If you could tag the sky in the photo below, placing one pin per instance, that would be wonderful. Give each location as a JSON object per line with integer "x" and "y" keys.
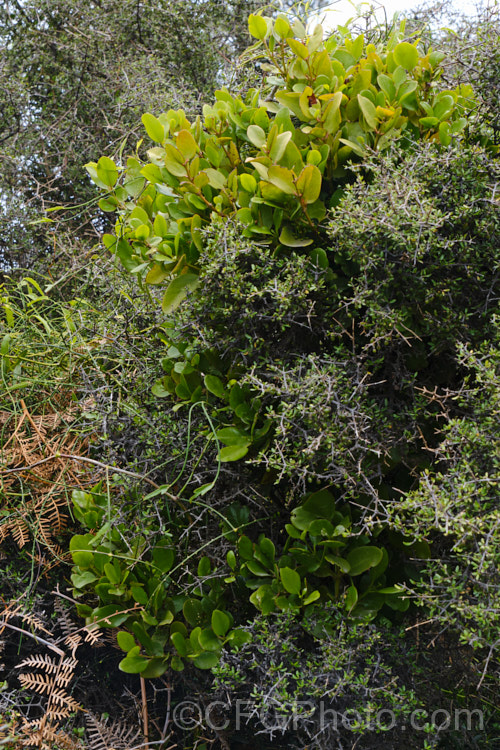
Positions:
{"x": 341, "y": 10}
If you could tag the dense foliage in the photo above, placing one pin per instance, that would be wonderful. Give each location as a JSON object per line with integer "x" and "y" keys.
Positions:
{"x": 290, "y": 397}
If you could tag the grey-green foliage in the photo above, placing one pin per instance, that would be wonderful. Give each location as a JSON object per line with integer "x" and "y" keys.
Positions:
{"x": 461, "y": 502}
{"x": 328, "y": 684}
{"x": 472, "y": 44}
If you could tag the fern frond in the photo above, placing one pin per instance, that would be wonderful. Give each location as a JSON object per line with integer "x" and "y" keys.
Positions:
{"x": 64, "y": 618}
{"x": 39, "y": 682}
{"x": 92, "y": 634}
{"x": 58, "y": 713}
{"x": 61, "y": 697}
{"x": 20, "y": 532}
{"x": 49, "y": 664}
{"x": 44, "y": 735}
{"x": 63, "y": 740}
{"x": 73, "y": 641}
{"x": 33, "y": 620}
{"x": 103, "y": 735}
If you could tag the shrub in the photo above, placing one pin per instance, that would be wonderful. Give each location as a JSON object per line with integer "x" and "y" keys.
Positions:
{"x": 327, "y": 251}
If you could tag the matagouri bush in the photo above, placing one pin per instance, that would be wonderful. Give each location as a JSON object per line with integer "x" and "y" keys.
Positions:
{"x": 287, "y": 362}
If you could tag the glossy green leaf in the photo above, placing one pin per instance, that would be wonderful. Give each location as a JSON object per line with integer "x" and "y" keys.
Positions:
{"x": 216, "y": 179}
{"x": 108, "y": 204}
{"x": 248, "y": 182}
{"x": 444, "y": 134}
{"x": 206, "y": 660}
{"x": 133, "y": 664}
{"x": 179, "y": 643}
{"x": 126, "y": 641}
{"x": 282, "y": 27}
{"x": 351, "y": 598}
{"x": 290, "y": 580}
{"x": 177, "y": 291}
{"x": 233, "y": 436}
{"x": 257, "y": 136}
{"x": 81, "y": 552}
{"x": 245, "y": 547}
{"x": 263, "y": 599}
{"x": 186, "y": 144}
{"x": 214, "y": 385}
{"x": 208, "y": 640}
{"x": 156, "y": 275}
{"x": 80, "y": 580}
{"x": 282, "y": 178}
{"x": 177, "y": 664}
{"x": 387, "y": 85}
{"x": 231, "y": 559}
{"x": 204, "y": 566}
{"x": 339, "y": 562}
{"x": 139, "y": 595}
{"x": 363, "y": 558}
{"x": 193, "y": 612}
{"x": 163, "y": 558}
{"x": 288, "y": 238}
{"x": 232, "y": 453}
{"x": 312, "y": 597}
{"x": 159, "y": 390}
{"x": 279, "y": 145}
{"x": 157, "y": 666}
{"x": 238, "y": 638}
{"x": 220, "y": 622}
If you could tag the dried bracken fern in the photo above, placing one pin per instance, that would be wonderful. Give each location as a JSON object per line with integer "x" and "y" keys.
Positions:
{"x": 14, "y": 609}
{"x": 49, "y": 676}
{"x": 56, "y": 675}
{"x": 40, "y": 734}
{"x": 34, "y": 474}
{"x": 105, "y": 735}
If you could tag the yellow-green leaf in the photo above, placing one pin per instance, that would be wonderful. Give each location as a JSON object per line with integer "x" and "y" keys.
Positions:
{"x": 216, "y": 179}
{"x": 107, "y": 171}
{"x": 257, "y": 26}
{"x": 256, "y": 135}
{"x": 282, "y": 27}
{"x": 153, "y": 127}
{"x": 214, "y": 385}
{"x": 369, "y": 112}
{"x": 156, "y": 275}
{"x": 248, "y": 182}
{"x": 279, "y": 145}
{"x": 282, "y": 178}
{"x": 406, "y": 55}
{"x": 299, "y": 48}
{"x": 309, "y": 183}
{"x": 186, "y": 144}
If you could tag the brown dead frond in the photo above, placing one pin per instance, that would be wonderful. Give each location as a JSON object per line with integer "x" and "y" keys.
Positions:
{"x": 38, "y": 733}
{"x": 34, "y": 495}
{"x": 105, "y": 735}
{"x": 51, "y": 681}
{"x": 14, "y": 609}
